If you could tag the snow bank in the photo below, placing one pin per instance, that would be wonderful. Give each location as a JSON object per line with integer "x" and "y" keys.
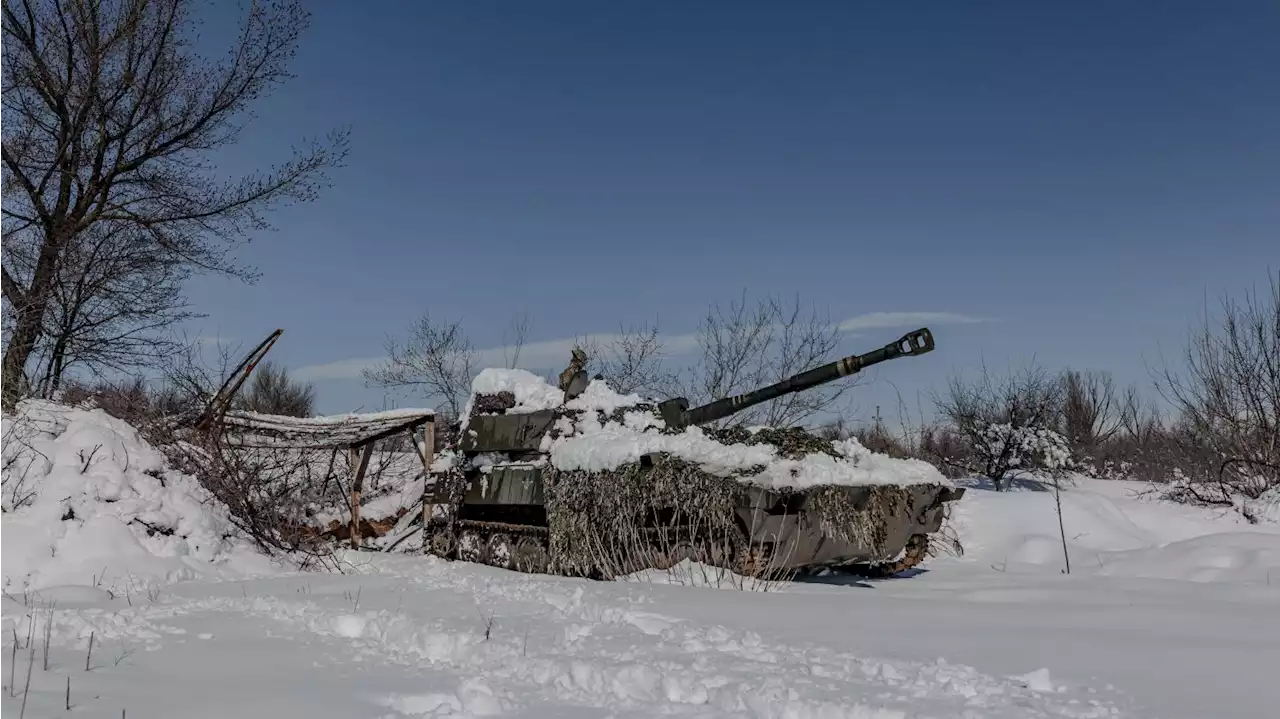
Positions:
{"x": 1114, "y": 528}
{"x": 1265, "y": 508}
{"x": 88, "y": 502}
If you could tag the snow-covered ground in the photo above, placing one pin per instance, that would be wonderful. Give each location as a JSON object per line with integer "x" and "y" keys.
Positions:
{"x": 1169, "y": 611}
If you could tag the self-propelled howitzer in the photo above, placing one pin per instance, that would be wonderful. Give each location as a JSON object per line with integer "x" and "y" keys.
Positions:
{"x": 548, "y": 481}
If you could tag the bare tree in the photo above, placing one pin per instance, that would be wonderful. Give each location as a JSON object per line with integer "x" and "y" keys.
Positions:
{"x": 437, "y": 360}
{"x": 273, "y": 391}
{"x": 111, "y": 117}
{"x": 514, "y": 338}
{"x": 1093, "y": 409}
{"x": 110, "y": 308}
{"x": 1229, "y": 398}
{"x": 744, "y": 348}
{"x": 129, "y": 399}
{"x": 190, "y": 377}
{"x": 634, "y": 361}
{"x": 1006, "y": 424}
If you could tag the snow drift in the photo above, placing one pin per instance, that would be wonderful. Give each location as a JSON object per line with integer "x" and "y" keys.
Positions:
{"x": 87, "y": 501}
{"x": 1113, "y": 528}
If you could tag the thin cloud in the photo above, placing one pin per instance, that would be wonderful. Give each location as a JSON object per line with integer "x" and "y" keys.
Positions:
{"x": 554, "y": 353}
{"x": 884, "y": 320}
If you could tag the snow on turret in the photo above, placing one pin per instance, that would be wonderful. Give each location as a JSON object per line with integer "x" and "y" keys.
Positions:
{"x": 602, "y": 430}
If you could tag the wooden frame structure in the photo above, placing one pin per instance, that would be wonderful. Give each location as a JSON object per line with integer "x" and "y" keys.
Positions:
{"x": 356, "y": 433}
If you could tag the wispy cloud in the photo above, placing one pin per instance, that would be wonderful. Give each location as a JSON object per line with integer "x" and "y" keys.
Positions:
{"x": 554, "y": 353}
{"x": 884, "y": 320}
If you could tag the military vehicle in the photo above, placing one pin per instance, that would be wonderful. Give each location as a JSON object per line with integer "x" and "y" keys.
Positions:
{"x": 501, "y": 496}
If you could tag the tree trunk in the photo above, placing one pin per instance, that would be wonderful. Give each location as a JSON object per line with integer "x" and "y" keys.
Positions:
{"x": 29, "y": 323}
{"x": 57, "y": 365}
{"x": 26, "y": 332}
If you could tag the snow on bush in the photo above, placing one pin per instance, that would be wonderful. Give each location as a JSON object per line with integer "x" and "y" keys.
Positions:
{"x": 601, "y": 435}
{"x": 1266, "y": 508}
{"x": 88, "y": 502}
{"x": 1027, "y": 446}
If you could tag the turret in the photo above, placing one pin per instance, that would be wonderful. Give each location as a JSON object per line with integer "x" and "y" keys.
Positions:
{"x": 676, "y": 412}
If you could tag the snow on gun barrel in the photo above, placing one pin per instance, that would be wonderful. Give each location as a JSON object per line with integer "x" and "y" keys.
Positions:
{"x": 600, "y": 485}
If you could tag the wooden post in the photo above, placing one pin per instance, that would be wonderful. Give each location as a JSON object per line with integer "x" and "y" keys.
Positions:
{"x": 359, "y": 460}
{"x": 428, "y": 457}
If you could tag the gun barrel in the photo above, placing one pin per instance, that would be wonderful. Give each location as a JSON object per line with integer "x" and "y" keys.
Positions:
{"x": 909, "y": 345}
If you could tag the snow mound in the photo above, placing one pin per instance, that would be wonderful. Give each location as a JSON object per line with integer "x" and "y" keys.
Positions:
{"x": 88, "y": 502}
{"x": 1211, "y": 558}
{"x": 1265, "y": 508}
{"x": 1114, "y": 528}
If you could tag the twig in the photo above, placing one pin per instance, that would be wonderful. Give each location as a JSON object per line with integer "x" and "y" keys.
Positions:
{"x": 89, "y": 655}
{"x": 48, "y": 635}
{"x": 31, "y": 629}
{"x": 125, "y": 653}
{"x": 31, "y": 661}
{"x": 84, "y": 467}
{"x": 68, "y": 702}
{"x": 1057, "y": 498}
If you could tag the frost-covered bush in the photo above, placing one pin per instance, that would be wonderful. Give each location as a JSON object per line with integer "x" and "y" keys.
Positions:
{"x": 1023, "y": 448}
{"x": 1000, "y": 427}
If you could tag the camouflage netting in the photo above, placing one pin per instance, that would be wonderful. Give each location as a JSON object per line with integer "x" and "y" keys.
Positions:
{"x": 859, "y": 514}
{"x": 597, "y": 519}
{"x": 792, "y": 442}
{"x": 493, "y": 403}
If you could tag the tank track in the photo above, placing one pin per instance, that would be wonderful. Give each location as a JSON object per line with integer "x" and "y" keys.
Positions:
{"x": 527, "y": 548}
{"x": 915, "y": 552}
{"x": 520, "y": 547}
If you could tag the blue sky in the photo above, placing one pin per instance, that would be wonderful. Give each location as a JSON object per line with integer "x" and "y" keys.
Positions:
{"x": 1082, "y": 177}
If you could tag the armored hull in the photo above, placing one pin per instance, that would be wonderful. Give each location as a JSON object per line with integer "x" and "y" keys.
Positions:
{"x": 507, "y": 517}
